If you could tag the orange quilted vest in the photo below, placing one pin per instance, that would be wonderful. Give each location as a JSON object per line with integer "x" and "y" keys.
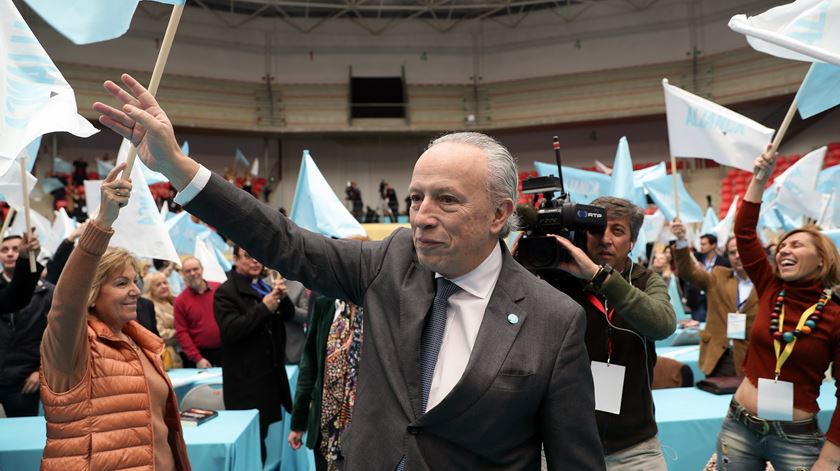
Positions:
{"x": 103, "y": 422}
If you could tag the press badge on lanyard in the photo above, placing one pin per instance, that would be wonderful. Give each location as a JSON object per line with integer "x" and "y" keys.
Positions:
{"x": 608, "y": 377}
{"x": 736, "y": 322}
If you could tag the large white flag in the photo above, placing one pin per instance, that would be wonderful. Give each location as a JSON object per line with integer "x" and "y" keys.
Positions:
{"x": 805, "y": 30}
{"x": 794, "y": 192}
{"x": 35, "y": 97}
{"x": 700, "y": 128}
{"x": 139, "y": 227}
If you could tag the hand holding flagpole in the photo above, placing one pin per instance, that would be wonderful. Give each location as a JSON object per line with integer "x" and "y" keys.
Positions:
{"x": 160, "y": 64}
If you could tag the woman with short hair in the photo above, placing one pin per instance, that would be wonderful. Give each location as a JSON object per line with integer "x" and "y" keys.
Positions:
{"x": 107, "y": 400}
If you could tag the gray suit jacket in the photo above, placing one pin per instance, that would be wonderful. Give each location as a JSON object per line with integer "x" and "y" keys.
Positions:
{"x": 295, "y": 336}
{"x": 527, "y": 383}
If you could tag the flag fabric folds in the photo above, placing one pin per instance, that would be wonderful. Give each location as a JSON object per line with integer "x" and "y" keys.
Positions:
{"x": 89, "y": 21}
{"x": 676, "y": 300}
{"x": 700, "y": 128}
{"x": 37, "y": 99}
{"x": 805, "y": 30}
{"x": 661, "y": 190}
{"x": 622, "y": 182}
{"x": 62, "y": 166}
{"x": 723, "y": 229}
{"x": 213, "y": 271}
{"x": 317, "y": 208}
{"x": 582, "y": 185}
{"x": 11, "y": 189}
{"x": 819, "y": 91}
{"x": 255, "y": 167}
{"x": 709, "y": 222}
{"x": 239, "y": 158}
{"x": 140, "y": 217}
{"x": 794, "y": 191}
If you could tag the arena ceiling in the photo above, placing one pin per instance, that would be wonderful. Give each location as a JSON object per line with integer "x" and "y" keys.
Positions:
{"x": 442, "y": 14}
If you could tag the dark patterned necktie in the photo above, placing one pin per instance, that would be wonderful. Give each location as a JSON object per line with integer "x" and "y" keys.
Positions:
{"x": 431, "y": 341}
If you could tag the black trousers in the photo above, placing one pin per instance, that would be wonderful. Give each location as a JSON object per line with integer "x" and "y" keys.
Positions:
{"x": 18, "y": 404}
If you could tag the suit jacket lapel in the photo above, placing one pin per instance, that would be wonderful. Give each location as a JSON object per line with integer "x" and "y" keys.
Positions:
{"x": 416, "y": 295}
{"x": 495, "y": 338}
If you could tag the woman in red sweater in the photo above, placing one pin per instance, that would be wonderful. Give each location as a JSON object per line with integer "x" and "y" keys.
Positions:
{"x": 796, "y": 334}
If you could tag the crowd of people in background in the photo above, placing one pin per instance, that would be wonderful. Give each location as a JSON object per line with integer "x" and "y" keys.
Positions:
{"x": 116, "y": 324}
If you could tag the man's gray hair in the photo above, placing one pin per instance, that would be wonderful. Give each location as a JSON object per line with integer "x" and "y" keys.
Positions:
{"x": 620, "y": 208}
{"x": 502, "y": 176}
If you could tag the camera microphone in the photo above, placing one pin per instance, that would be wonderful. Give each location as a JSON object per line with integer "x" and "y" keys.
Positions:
{"x": 527, "y": 215}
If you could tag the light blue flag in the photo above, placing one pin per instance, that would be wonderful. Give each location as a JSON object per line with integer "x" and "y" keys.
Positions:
{"x": 48, "y": 185}
{"x": 820, "y": 90}
{"x": 661, "y": 190}
{"x": 648, "y": 173}
{"x": 709, "y": 222}
{"x": 676, "y": 300}
{"x": 62, "y": 166}
{"x": 622, "y": 183}
{"x": 89, "y": 21}
{"x": 582, "y": 185}
{"x": 240, "y": 158}
{"x": 829, "y": 180}
{"x": 103, "y": 168}
{"x": 639, "y": 251}
{"x": 834, "y": 235}
{"x": 184, "y": 232}
{"x": 185, "y": 148}
{"x": 317, "y": 208}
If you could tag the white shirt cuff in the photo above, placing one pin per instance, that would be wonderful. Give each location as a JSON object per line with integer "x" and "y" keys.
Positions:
{"x": 195, "y": 186}
{"x": 681, "y": 244}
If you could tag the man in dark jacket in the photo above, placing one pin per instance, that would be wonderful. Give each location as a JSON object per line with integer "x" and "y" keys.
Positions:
{"x": 627, "y": 309}
{"x": 251, "y": 316}
{"x": 21, "y": 329}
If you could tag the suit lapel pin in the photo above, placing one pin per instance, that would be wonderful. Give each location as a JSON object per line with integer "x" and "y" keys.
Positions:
{"x": 513, "y": 319}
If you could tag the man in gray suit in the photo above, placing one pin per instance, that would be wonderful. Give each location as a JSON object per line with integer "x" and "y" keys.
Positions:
{"x": 479, "y": 381}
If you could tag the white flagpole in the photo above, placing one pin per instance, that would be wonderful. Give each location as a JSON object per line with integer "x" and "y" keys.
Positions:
{"x": 25, "y": 188}
{"x": 160, "y": 64}
{"x": 676, "y": 188}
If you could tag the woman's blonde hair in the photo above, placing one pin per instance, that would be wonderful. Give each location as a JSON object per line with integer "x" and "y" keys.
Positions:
{"x": 150, "y": 281}
{"x": 113, "y": 261}
{"x": 829, "y": 274}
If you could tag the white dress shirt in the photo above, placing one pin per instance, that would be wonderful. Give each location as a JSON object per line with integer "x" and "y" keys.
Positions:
{"x": 465, "y": 309}
{"x": 464, "y": 314}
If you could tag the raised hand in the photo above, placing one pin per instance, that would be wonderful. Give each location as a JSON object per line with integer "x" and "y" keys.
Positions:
{"x": 142, "y": 121}
{"x": 678, "y": 229}
{"x": 115, "y": 194}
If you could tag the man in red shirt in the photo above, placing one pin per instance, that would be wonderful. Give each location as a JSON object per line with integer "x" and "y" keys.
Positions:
{"x": 195, "y": 324}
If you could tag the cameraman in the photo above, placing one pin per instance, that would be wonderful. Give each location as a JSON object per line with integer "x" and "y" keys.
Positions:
{"x": 627, "y": 309}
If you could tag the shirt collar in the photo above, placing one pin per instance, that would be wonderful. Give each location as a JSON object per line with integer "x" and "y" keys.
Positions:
{"x": 481, "y": 280}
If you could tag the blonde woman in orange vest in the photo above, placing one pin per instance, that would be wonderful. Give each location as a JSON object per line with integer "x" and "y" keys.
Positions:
{"x": 107, "y": 401}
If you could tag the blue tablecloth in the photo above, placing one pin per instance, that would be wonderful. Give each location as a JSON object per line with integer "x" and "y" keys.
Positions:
{"x": 667, "y": 342}
{"x": 278, "y": 451}
{"x": 689, "y": 420}
{"x": 229, "y": 442}
{"x": 689, "y": 355}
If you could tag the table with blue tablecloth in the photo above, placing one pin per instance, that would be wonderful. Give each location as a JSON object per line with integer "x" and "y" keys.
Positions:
{"x": 230, "y": 442}
{"x": 689, "y": 420}
{"x": 278, "y": 452}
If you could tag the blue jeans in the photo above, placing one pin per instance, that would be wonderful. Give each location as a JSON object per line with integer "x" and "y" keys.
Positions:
{"x": 644, "y": 456}
{"x": 740, "y": 448}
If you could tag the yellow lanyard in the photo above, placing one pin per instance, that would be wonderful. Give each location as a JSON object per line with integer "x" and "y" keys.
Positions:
{"x": 781, "y": 359}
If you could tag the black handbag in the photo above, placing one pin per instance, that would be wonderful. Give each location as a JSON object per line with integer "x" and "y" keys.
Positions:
{"x": 720, "y": 384}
